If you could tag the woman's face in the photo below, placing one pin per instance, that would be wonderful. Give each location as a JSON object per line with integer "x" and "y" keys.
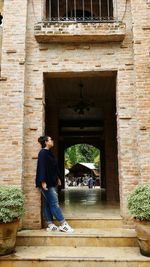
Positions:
{"x": 49, "y": 143}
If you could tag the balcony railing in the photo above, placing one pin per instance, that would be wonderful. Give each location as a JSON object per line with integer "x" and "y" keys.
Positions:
{"x": 81, "y": 10}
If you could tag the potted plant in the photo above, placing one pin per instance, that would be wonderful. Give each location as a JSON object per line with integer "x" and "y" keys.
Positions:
{"x": 139, "y": 207}
{"x": 11, "y": 210}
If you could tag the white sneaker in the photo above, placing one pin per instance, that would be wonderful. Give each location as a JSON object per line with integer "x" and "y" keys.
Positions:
{"x": 52, "y": 227}
{"x": 66, "y": 228}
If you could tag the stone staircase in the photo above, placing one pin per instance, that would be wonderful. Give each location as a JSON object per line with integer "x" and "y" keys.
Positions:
{"x": 94, "y": 243}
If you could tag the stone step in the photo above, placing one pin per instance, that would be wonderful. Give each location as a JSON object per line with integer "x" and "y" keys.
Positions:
{"x": 117, "y": 237}
{"x": 55, "y": 256}
{"x": 95, "y": 222}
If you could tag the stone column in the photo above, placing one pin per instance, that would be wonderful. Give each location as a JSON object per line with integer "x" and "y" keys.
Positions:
{"x": 34, "y": 122}
{"x": 126, "y": 134}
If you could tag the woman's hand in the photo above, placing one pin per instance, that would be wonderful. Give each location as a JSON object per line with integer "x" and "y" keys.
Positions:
{"x": 44, "y": 186}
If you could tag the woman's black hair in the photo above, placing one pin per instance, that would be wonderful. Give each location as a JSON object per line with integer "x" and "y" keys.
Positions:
{"x": 42, "y": 140}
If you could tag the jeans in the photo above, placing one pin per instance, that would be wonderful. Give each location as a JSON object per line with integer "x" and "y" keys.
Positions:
{"x": 51, "y": 205}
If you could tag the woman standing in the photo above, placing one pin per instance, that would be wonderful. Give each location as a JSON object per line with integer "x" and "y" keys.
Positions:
{"x": 47, "y": 179}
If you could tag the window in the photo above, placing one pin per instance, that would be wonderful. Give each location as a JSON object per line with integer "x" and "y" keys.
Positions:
{"x": 79, "y": 10}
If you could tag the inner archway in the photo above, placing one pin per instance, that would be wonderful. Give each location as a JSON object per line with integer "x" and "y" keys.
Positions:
{"x": 82, "y": 166}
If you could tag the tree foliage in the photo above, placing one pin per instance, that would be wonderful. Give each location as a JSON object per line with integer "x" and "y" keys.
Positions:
{"x": 81, "y": 153}
{"x": 139, "y": 202}
{"x": 11, "y": 203}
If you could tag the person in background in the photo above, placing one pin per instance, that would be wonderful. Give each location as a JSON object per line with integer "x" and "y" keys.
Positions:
{"x": 47, "y": 179}
{"x": 90, "y": 182}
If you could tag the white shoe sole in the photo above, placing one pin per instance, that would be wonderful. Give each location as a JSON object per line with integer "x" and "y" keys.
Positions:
{"x": 66, "y": 231}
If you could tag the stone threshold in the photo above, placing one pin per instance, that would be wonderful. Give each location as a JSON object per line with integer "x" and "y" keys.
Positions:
{"x": 117, "y": 237}
{"x": 95, "y": 222}
{"x": 80, "y": 232}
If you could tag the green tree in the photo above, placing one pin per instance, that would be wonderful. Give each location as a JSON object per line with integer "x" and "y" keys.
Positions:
{"x": 97, "y": 161}
{"x": 81, "y": 153}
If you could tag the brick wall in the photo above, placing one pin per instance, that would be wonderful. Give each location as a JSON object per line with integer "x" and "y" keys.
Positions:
{"x": 79, "y": 58}
{"x": 141, "y": 46}
{"x": 12, "y": 91}
{"x": 1, "y": 5}
{"x": 1, "y": 28}
{"x": 22, "y": 116}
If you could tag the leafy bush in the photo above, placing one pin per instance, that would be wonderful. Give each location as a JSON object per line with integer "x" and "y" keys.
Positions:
{"x": 11, "y": 203}
{"x": 139, "y": 202}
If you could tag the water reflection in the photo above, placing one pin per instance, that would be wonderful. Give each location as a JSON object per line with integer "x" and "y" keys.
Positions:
{"x": 83, "y": 200}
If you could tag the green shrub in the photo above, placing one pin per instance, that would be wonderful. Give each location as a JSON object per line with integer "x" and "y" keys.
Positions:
{"x": 11, "y": 203}
{"x": 139, "y": 202}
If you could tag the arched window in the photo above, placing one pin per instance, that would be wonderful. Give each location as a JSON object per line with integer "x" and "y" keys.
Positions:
{"x": 79, "y": 10}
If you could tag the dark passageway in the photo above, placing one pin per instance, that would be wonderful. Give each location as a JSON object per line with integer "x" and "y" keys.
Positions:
{"x": 81, "y": 108}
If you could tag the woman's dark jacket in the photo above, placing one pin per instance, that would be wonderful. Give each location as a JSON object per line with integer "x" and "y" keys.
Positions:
{"x": 47, "y": 169}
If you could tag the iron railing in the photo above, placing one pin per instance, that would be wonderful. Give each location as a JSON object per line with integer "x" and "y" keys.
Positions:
{"x": 81, "y": 10}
